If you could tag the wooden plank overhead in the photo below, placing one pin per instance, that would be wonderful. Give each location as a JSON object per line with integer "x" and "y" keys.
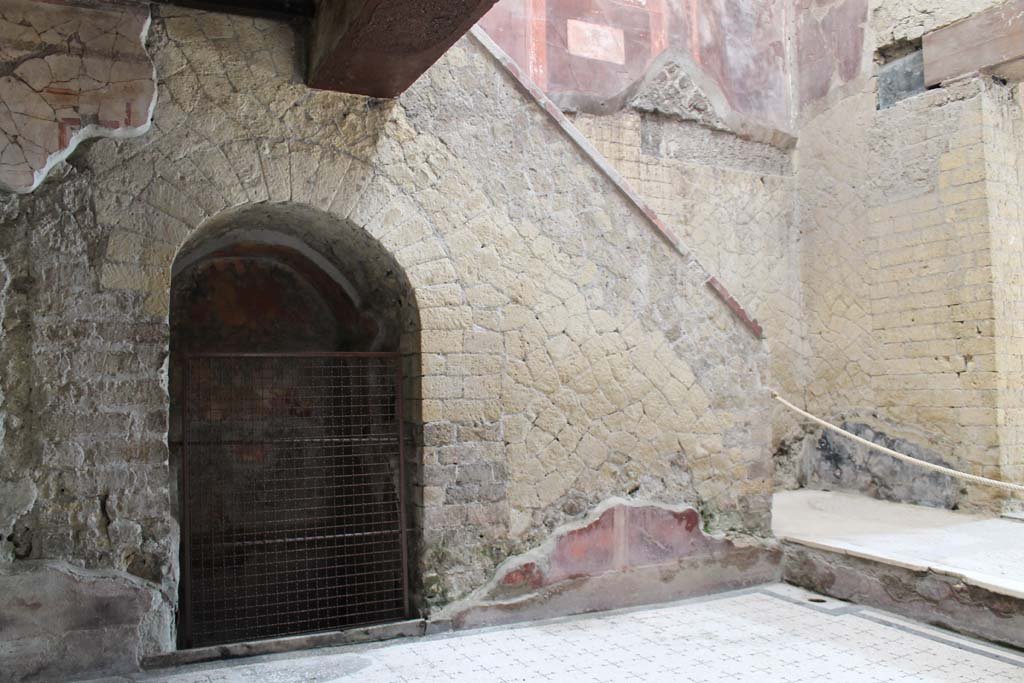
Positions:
{"x": 380, "y": 47}
{"x": 989, "y": 41}
{"x": 268, "y": 8}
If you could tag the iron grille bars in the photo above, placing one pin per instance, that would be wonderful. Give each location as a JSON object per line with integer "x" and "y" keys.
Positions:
{"x": 292, "y": 495}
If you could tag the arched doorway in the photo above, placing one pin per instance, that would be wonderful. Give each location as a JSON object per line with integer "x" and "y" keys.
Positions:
{"x": 287, "y": 429}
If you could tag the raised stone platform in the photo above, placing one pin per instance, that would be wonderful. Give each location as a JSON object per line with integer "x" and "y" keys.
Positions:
{"x": 951, "y": 569}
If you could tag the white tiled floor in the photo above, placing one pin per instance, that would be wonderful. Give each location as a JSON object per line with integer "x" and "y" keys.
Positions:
{"x": 772, "y": 634}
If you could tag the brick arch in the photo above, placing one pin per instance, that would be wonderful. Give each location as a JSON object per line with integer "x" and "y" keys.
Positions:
{"x": 155, "y": 201}
{"x": 157, "y": 210}
{"x": 323, "y": 185}
{"x": 372, "y": 264}
{"x": 367, "y": 271}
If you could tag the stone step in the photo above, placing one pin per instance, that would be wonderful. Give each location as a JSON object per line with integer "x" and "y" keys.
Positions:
{"x": 960, "y": 572}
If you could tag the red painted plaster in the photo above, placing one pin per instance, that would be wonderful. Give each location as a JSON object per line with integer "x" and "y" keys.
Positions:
{"x": 623, "y": 537}
{"x": 740, "y": 45}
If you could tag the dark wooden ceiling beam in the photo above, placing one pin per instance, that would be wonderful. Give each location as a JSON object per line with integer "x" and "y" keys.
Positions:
{"x": 380, "y": 47}
{"x": 283, "y": 9}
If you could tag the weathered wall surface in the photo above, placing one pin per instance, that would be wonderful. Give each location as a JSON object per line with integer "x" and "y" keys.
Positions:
{"x": 591, "y": 55}
{"x": 17, "y": 489}
{"x": 68, "y": 72}
{"x": 1004, "y": 170}
{"x": 837, "y": 43}
{"x": 568, "y": 355}
{"x": 900, "y": 279}
{"x": 897, "y": 273}
{"x": 931, "y": 300}
{"x": 732, "y": 201}
{"x": 894, "y": 21}
{"x": 83, "y": 471}
{"x": 623, "y": 553}
{"x": 828, "y": 38}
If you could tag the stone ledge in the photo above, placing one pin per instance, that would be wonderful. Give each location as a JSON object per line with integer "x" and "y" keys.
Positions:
{"x": 922, "y": 594}
{"x": 58, "y": 621}
{"x": 918, "y": 567}
{"x": 364, "y": 634}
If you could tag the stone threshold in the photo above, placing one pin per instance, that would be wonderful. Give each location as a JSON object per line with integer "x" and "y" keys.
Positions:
{"x": 984, "y": 552}
{"x": 921, "y": 595}
{"x": 953, "y": 570}
{"x": 920, "y": 567}
{"x": 412, "y": 628}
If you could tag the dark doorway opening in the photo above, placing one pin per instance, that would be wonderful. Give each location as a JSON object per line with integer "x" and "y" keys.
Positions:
{"x": 292, "y": 495}
{"x": 288, "y": 432}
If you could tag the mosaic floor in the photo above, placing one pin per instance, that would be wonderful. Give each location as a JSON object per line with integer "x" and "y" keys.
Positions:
{"x": 774, "y": 633}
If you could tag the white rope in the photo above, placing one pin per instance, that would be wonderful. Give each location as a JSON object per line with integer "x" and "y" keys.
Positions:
{"x": 900, "y": 456}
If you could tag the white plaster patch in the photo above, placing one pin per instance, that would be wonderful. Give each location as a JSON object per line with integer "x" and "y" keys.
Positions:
{"x": 594, "y": 41}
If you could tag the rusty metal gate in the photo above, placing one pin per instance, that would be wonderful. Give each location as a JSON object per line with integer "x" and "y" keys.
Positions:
{"x": 292, "y": 495}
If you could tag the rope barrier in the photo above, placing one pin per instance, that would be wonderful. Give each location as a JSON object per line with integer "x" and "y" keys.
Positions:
{"x": 985, "y": 481}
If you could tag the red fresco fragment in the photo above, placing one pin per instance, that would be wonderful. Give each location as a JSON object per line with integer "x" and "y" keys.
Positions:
{"x": 739, "y": 45}
{"x": 528, "y": 574}
{"x": 585, "y": 552}
{"x": 654, "y": 536}
{"x": 829, "y": 51}
{"x": 623, "y": 537}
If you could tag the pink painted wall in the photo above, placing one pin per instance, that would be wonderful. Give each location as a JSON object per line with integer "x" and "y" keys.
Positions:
{"x": 829, "y": 38}
{"x": 588, "y": 53}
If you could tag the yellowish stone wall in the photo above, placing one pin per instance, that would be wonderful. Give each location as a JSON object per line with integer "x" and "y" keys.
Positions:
{"x": 1004, "y": 168}
{"x": 568, "y": 352}
{"x": 906, "y": 257}
{"x": 731, "y": 201}
{"x": 932, "y": 295}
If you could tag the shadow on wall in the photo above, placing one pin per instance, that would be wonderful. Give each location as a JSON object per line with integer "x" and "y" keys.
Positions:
{"x": 835, "y": 463}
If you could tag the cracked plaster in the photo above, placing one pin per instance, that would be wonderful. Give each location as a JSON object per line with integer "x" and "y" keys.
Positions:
{"x": 68, "y": 73}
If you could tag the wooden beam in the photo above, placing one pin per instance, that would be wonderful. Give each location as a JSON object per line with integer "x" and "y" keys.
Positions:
{"x": 283, "y": 9}
{"x": 380, "y": 47}
{"x": 978, "y": 43}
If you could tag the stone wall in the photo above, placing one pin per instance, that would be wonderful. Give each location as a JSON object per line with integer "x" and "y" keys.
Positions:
{"x": 896, "y": 270}
{"x": 569, "y": 353}
{"x": 593, "y": 55}
{"x": 932, "y": 294}
{"x": 732, "y": 202}
{"x": 1004, "y": 169}
{"x": 836, "y": 44}
{"x": 901, "y": 280}
{"x": 566, "y": 353}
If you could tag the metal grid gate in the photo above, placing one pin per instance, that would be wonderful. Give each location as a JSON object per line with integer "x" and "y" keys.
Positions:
{"x": 293, "y": 495}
